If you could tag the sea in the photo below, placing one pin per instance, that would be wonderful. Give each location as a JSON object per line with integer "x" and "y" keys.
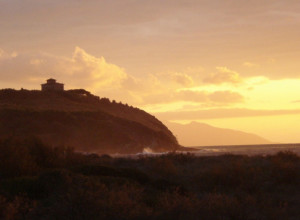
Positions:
{"x": 250, "y": 150}
{"x": 267, "y": 149}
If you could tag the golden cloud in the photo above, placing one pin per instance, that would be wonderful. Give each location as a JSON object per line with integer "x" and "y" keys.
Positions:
{"x": 200, "y": 97}
{"x": 226, "y": 97}
{"x": 81, "y": 70}
{"x": 250, "y": 64}
{"x": 223, "y": 75}
{"x": 221, "y": 113}
{"x": 98, "y": 72}
{"x": 183, "y": 79}
{"x": 4, "y": 55}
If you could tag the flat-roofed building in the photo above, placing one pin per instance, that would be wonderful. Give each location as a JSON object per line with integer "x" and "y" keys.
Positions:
{"x": 52, "y": 85}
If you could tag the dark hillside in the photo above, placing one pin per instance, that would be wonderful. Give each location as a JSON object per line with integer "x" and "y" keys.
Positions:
{"x": 81, "y": 120}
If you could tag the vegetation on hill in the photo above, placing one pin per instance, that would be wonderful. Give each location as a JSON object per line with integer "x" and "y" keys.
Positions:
{"x": 42, "y": 182}
{"x": 81, "y": 120}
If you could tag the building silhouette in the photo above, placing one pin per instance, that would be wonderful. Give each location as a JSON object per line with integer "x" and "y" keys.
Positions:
{"x": 52, "y": 85}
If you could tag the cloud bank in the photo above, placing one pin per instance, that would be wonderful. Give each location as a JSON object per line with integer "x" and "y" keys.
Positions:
{"x": 163, "y": 91}
{"x": 220, "y": 113}
{"x": 83, "y": 70}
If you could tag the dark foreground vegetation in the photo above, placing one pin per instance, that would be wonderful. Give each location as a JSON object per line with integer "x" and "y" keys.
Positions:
{"x": 40, "y": 182}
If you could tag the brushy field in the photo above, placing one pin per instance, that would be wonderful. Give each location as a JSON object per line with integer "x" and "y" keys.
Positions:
{"x": 40, "y": 182}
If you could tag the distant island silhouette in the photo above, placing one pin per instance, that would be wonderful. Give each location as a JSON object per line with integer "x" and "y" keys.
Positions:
{"x": 201, "y": 134}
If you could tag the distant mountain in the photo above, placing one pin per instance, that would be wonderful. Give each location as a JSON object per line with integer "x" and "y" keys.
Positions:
{"x": 200, "y": 134}
{"x": 78, "y": 119}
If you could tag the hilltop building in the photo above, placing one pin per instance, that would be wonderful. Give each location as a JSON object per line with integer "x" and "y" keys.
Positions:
{"x": 52, "y": 85}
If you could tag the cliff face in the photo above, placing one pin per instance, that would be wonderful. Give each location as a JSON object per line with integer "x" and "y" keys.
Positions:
{"x": 81, "y": 120}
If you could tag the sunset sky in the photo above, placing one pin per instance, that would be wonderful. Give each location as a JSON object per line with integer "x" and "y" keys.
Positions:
{"x": 232, "y": 64}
